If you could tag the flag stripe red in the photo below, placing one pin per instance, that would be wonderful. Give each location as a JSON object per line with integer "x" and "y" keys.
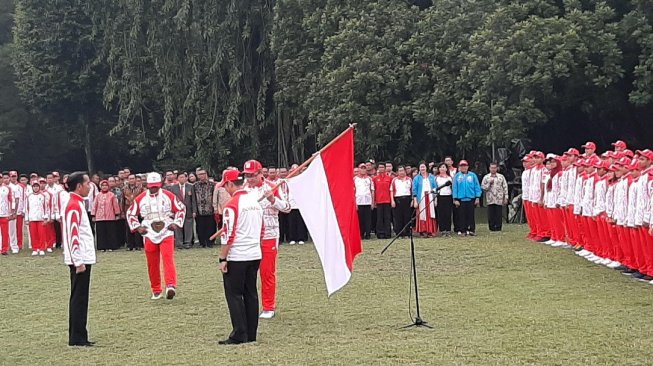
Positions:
{"x": 338, "y": 160}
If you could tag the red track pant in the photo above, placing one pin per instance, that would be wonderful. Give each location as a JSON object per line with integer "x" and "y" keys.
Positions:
{"x": 20, "y": 221}
{"x": 37, "y": 234}
{"x": 638, "y": 255}
{"x": 4, "y": 233}
{"x": 154, "y": 253}
{"x": 645, "y": 243}
{"x": 529, "y": 219}
{"x": 51, "y": 235}
{"x": 269, "y": 274}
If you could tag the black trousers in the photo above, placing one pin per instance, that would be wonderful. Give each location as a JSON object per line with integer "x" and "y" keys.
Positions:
{"x": 401, "y": 214}
{"x": 121, "y": 233}
{"x": 495, "y": 217}
{"x": 205, "y": 228}
{"x": 78, "y": 306}
{"x": 466, "y": 220}
{"x": 373, "y": 220}
{"x": 90, "y": 217}
{"x": 296, "y": 227}
{"x": 444, "y": 211}
{"x": 284, "y": 227}
{"x": 57, "y": 232}
{"x": 365, "y": 220}
{"x": 242, "y": 299}
{"x": 383, "y": 217}
{"x": 134, "y": 240}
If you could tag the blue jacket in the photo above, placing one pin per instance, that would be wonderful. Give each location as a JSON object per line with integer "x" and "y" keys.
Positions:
{"x": 466, "y": 186}
{"x": 417, "y": 186}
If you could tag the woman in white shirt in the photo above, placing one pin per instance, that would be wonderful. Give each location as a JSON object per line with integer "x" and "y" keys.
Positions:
{"x": 444, "y": 207}
{"x": 400, "y": 199}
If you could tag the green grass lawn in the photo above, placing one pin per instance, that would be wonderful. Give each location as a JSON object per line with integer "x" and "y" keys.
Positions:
{"x": 494, "y": 300}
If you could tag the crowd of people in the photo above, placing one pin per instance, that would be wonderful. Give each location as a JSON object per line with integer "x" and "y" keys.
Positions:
{"x": 429, "y": 199}
{"x": 35, "y": 203}
{"x": 599, "y": 205}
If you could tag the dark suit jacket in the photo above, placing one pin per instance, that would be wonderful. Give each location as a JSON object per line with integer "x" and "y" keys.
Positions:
{"x": 188, "y": 200}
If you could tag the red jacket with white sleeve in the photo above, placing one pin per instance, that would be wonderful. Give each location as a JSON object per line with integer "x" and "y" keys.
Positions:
{"x": 163, "y": 206}
{"x": 77, "y": 236}
{"x": 242, "y": 227}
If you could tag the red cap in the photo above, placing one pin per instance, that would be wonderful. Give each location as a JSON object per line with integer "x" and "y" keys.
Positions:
{"x": 463, "y": 162}
{"x": 620, "y": 144}
{"x": 572, "y": 151}
{"x": 623, "y": 162}
{"x": 589, "y": 145}
{"x": 613, "y": 168}
{"x": 628, "y": 153}
{"x": 646, "y": 153}
{"x": 42, "y": 180}
{"x": 634, "y": 165}
{"x": 252, "y": 167}
{"x": 526, "y": 158}
{"x": 229, "y": 175}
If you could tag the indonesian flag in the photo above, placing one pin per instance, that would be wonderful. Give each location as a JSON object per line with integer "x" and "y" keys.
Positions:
{"x": 325, "y": 196}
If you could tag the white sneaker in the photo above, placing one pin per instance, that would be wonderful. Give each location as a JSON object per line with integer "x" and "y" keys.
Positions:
{"x": 557, "y": 244}
{"x": 550, "y": 242}
{"x": 35, "y": 253}
{"x": 582, "y": 252}
{"x": 14, "y": 251}
{"x": 606, "y": 261}
{"x": 614, "y": 264}
{"x": 651, "y": 282}
{"x": 49, "y": 250}
{"x": 292, "y": 242}
{"x": 156, "y": 296}
{"x": 41, "y": 252}
{"x": 267, "y": 315}
{"x": 300, "y": 242}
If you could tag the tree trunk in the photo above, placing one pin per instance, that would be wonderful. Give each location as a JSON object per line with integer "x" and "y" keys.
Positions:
{"x": 87, "y": 142}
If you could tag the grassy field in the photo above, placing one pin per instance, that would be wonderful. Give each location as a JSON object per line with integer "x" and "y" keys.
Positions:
{"x": 494, "y": 300}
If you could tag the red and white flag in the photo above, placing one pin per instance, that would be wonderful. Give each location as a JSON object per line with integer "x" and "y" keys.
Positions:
{"x": 325, "y": 196}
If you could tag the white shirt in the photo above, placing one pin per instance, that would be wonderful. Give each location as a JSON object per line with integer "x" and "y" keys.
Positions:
{"x": 588, "y": 196}
{"x": 401, "y": 187}
{"x": 535, "y": 182}
{"x": 572, "y": 176}
{"x": 440, "y": 181}
{"x": 578, "y": 195}
{"x": 633, "y": 196}
{"x": 243, "y": 228}
{"x": 19, "y": 197}
{"x": 364, "y": 190}
{"x": 644, "y": 198}
{"x": 77, "y": 236}
{"x": 600, "y": 192}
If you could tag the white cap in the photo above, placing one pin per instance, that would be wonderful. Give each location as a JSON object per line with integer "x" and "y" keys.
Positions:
{"x": 153, "y": 179}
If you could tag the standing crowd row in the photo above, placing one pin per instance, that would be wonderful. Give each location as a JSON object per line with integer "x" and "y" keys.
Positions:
{"x": 600, "y": 205}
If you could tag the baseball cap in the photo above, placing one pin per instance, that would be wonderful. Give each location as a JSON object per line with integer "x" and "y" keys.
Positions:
{"x": 628, "y": 153}
{"x": 620, "y": 143}
{"x": 463, "y": 162}
{"x": 252, "y": 167}
{"x": 646, "y": 153}
{"x": 153, "y": 180}
{"x": 634, "y": 165}
{"x": 229, "y": 175}
{"x": 572, "y": 151}
{"x": 589, "y": 145}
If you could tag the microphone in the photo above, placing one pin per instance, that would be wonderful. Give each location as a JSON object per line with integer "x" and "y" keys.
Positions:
{"x": 446, "y": 184}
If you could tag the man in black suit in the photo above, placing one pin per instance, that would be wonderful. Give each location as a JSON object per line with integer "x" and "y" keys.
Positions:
{"x": 184, "y": 192}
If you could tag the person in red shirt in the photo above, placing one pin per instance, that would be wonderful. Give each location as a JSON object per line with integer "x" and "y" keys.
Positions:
{"x": 382, "y": 199}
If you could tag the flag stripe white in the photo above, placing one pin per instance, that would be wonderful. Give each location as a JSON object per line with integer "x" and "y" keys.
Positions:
{"x": 310, "y": 191}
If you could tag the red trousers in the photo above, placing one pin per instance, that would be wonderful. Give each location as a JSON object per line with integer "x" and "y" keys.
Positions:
{"x": 269, "y": 274}
{"x": 638, "y": 255}
{"x": 51, "y": 235}
{"x": 4, "y": 233}
{"x": 38, "y": 234}
{"x": 154, "y": 253}
{"x": 528, "y": 211}
{"x": 626, "y": 248}
{"x": 572, "y": 226}
{"x": 20, "y": 221}
{"x": 645, "y": 243}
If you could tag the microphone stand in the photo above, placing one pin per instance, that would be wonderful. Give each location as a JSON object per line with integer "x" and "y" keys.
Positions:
{"x": 418, "y": 321}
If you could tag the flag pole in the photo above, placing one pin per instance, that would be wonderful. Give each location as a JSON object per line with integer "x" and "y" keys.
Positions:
{"x": 296, "y": 171}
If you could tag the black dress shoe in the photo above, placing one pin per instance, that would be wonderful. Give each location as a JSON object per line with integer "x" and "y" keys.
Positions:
{"x": 230, "y": 341}
{"x": 638, "y": 275}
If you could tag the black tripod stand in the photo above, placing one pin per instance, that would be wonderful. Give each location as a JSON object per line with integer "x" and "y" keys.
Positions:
{"x": 418, "y": 321}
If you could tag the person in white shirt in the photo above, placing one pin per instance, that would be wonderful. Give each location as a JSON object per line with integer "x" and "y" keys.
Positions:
{"x": 7, "y": 212}
{"x": 79, "y": 256}
{"x": 401, "y": 197}
{"x": 364, "y": 187}
{"x": 16, "y": 225}
{"x": 240, "y": 256}
{"x": 36, "y": 216}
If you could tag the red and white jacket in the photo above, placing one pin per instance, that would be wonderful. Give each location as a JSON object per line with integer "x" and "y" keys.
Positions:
{"x": 536, "y": 180}
{"x": 572, "y": 176}
{"x": 620, "y": 213}
{"x": 600, "y": 196}
{"x": 525, "y": 184}
{"x": 644, "y": 197}
{"x": 163, "y": 206}
{"x": 77, "y": 236}
{"x": 36, "y": 207}
{"x": 271, "y": 210}
{"x": 609, "y": 199}
{"x": 243, "y": 226}
{"x": 578, "y": 194}
{"x": 6, "y": 201}
{"x": 633, "y": 196}
{"x": 19, "y": 197}
{"x": 587, "y": 202}
{"x": 48, "y": 203}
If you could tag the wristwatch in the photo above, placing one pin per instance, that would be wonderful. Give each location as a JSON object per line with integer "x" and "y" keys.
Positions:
{"x": 222, "y": 260}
